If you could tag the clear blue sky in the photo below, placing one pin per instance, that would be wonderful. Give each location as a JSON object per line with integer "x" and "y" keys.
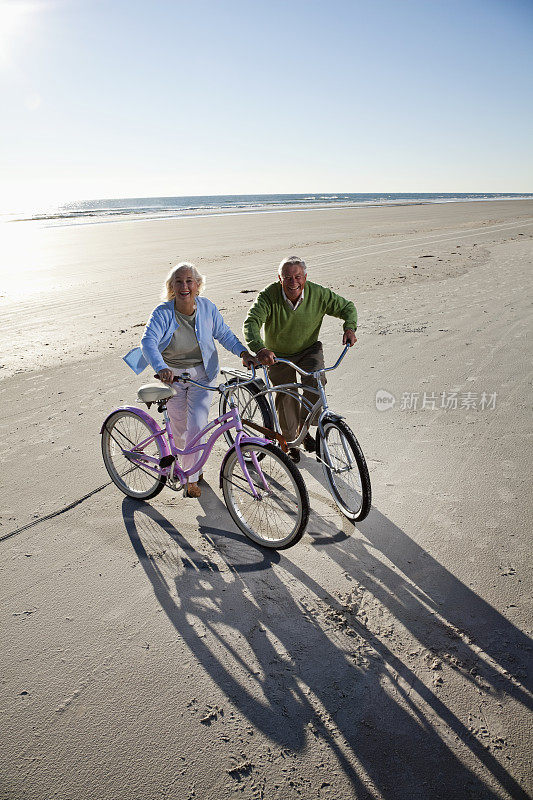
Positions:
{"x": 118, "y": 98}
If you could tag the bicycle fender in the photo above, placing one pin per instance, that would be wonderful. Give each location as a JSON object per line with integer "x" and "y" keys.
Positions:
{"x": 150, "y": 421}
{"x": 249, "y": 440}
{"x": 257, "y": 382}
{"x": 328, "y": 417}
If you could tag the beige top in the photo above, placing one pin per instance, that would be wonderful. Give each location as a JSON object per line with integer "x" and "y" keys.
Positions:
{"x": 183, "y": 349}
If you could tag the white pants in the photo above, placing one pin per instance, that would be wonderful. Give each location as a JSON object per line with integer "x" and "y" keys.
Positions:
{"x": 188, "y": 411}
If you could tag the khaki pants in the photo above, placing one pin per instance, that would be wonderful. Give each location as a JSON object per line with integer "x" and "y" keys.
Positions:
{"x": 290, "y": 411}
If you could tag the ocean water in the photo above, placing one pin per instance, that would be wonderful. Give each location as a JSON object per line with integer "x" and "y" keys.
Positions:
{"x": 169, "y": 207}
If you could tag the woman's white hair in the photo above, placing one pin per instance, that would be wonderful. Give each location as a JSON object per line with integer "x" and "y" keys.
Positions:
{"x": 168, "y": 288}
{"x": 292, "y": 260}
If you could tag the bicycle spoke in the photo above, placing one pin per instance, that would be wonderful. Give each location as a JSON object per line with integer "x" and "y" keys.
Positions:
{"x": 132, "y": 478}
{"x": 277, "y": 518}
{"x": 243, "y": 486}
{"x": 250, "y": 408}
{"x": 346, "y": 472}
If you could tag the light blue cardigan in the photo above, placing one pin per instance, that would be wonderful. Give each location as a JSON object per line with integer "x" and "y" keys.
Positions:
{"x": 208, "y": 325}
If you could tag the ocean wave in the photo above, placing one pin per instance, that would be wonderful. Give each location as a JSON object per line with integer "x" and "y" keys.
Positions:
{"x": 171, "y": 207}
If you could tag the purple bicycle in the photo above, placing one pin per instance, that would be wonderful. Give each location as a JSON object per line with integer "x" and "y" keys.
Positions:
{"x": 263, "y": 491}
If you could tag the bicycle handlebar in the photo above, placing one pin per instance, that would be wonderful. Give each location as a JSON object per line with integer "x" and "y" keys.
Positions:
{"x": 324, "y": 369}
{"x": 186, "y": 378}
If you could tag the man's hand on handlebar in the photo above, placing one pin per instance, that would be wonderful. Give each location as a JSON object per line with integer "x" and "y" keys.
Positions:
{"x": 166, "y": 375}
{"x": 349, "y": 337}
{"x": 266, "y": 357}
{"x": 248, "y": 359}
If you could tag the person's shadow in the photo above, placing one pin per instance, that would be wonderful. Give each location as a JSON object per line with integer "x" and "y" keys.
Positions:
{"x": 301, "y": 669}
{"x": 312, "y": 667}
{"x": 428, "y": 599}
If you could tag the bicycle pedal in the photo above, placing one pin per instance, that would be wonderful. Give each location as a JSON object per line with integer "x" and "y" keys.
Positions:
{"x": 166, "y": 461}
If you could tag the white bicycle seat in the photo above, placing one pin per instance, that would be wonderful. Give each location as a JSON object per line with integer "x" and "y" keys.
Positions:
{"x": 155, "y": 393}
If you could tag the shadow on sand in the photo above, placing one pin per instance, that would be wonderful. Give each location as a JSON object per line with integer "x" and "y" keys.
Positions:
{"x": 297, "y": 675}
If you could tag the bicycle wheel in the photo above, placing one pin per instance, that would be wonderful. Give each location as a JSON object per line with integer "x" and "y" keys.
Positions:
{"x": 349, "y": 480}
{"x": 251, "y": 407}
{"x": 124, "y": 431}
{"x": 279, "y": 517}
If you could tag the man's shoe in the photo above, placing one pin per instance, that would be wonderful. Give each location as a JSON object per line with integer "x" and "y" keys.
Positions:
{"x": 309, "y": 443}
{"x": 294, "y": 454}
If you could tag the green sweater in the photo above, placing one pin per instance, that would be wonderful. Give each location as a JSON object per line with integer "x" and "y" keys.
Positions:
{"x": 288, "y": 331}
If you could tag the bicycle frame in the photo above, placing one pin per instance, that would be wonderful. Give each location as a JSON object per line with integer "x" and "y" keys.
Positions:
{"x": 335, "y": 444}
{"x": 172, "y": 470}
{"x": 293, "y": 390}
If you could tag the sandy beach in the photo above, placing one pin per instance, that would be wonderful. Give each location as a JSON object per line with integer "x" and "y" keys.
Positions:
{"x": 150, "y": 650}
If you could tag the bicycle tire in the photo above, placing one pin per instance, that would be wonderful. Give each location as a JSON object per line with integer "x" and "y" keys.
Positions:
{"x": 277, "y": 520}
{"x": 133, "y": 480}
{"x": 353, "y": 493}
{"x": 250, "y": 407}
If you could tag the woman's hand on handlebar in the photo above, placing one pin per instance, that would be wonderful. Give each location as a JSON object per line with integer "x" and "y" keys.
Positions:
{"x": 166, "y": 375}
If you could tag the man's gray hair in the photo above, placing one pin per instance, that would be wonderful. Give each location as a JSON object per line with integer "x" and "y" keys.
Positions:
{"x": 292, "y": 260}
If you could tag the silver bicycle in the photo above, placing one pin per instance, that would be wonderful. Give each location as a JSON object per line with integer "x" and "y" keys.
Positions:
{"x": 337, "y": 449}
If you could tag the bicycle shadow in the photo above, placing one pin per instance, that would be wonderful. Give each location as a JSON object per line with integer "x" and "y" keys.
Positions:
{"x": 427, "y": 594}
{"x": 237, "y": 609}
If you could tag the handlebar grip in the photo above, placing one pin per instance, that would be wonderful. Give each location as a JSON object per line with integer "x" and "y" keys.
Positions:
{"x": 177, "y": 378}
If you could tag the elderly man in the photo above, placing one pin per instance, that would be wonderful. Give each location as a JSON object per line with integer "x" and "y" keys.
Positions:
{"x": 292, "y": 310}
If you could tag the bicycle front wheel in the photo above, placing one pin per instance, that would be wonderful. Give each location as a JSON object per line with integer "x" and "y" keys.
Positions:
{"x": 348, "y": 477}
{"x": 126, "y": 431}
{"x": 279, "y": 517}
{"x": 252, "y": 408}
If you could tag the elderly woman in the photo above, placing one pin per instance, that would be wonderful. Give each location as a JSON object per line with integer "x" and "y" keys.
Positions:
{"x": 180, "y": 337}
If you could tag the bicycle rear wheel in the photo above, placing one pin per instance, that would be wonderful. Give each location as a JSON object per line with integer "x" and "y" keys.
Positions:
{"x": 125, "y": 431}
{"x": 279, "y": 517}
{"x": 251, "y": 407}
{"x": 348, "y": 477}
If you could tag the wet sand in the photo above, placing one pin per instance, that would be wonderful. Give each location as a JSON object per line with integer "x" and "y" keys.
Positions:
{"x": 150, "y": 650}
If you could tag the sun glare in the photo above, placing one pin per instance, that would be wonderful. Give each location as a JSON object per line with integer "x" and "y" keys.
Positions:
{"x": 15, "y": 19}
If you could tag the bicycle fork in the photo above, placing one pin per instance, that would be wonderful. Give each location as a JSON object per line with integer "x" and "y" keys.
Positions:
{"x": 255, "y": 461}
{"x": 327, "y": 460}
